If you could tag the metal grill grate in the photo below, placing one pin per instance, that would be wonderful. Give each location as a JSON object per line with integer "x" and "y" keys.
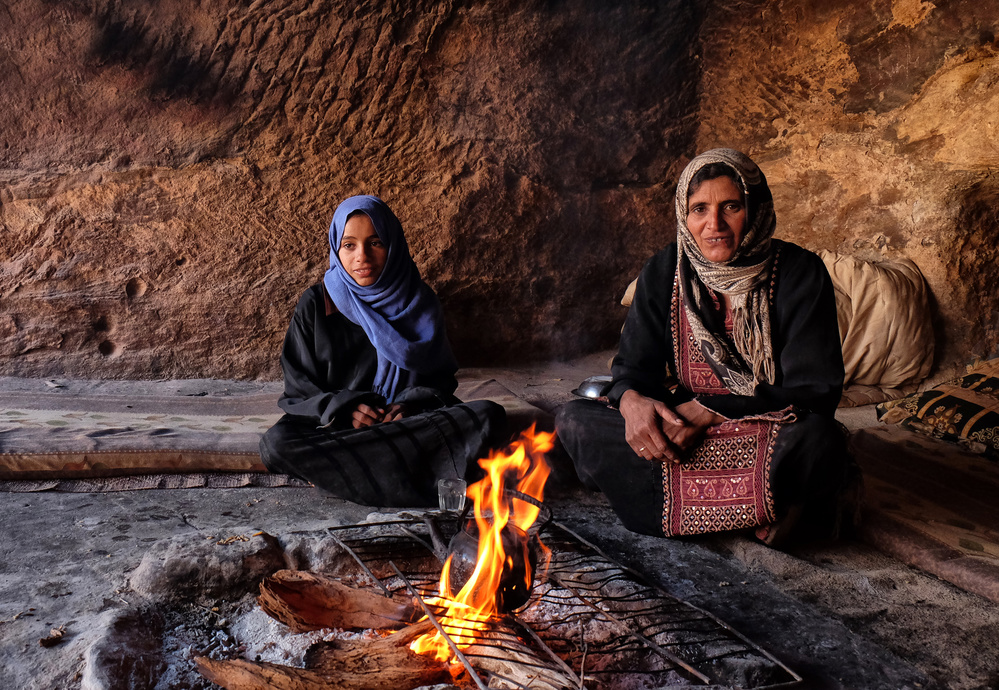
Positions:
{"x": 591, "y": 622}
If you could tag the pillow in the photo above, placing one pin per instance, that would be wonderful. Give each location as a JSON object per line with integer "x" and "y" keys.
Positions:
{"x": 884, "y": 320}
{"x": 964, "y": 411}
{"x": 629, "y": 293}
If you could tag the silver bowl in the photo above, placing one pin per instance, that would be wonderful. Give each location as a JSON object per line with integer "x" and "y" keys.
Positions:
{"x": 594, "y": 387}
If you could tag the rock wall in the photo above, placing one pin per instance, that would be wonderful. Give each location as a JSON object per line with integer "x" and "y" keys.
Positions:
{"x": 168, "y": 170}
{"x": 876, "y": 124}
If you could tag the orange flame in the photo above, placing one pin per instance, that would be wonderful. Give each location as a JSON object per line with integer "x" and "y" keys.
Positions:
{"x": 470, "y": 609}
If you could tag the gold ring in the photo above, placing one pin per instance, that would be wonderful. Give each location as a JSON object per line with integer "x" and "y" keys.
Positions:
{"x": 641, "y": 449}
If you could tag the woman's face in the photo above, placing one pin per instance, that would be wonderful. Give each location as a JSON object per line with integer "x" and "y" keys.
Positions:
{"x": 716, "y": 217}
{"x": 362, "y": 253}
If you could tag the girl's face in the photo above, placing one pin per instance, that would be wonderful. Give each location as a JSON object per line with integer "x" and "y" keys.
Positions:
{"x": 716, "y": 217}
{"x": 362, "y": 253}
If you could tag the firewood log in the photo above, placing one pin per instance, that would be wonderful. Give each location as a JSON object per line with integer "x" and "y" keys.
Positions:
{"x": 240, "y": 674}
{"x": 346, "y": 665}
{"x": 384, "y": 663}
{"x": 309, "y": 601}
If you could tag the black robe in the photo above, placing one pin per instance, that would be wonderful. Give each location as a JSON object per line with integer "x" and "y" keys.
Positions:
{"x": 329, "y": 366}
{"x": 809, "y": 460}
{"x": 804, "y": 331}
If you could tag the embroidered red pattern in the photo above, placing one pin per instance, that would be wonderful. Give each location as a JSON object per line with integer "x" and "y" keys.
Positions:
{"x": 726, "y": 483}
{"x": 692, "y": 367}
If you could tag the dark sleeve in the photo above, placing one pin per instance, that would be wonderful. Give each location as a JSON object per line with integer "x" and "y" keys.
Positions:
{"x": 807, "y": 348}
{"x": 644, "y": 359}
{"x": 428, "y": 391}
{"x": 312, "y": 377}
{"x": 432, "y": 396}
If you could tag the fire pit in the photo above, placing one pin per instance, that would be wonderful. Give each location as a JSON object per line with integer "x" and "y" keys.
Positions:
{"x": 582, "y": 620}
{"x": 588, "y": 618}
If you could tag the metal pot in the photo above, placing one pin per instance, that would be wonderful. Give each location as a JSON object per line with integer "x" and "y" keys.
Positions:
{"x": 594, "y": 387}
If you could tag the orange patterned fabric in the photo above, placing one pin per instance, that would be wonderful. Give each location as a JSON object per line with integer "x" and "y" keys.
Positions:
{"x": 964, "y": 411}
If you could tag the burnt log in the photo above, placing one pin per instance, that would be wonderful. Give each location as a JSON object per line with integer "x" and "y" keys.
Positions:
{"x": 240, "y": 674}
{"x": 361, "y": 664}
{"x": 307, "y": 601}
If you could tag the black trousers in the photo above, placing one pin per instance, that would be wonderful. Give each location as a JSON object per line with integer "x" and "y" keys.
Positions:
{"x": 810, "y": 464}
{"x": 392, "y": 464}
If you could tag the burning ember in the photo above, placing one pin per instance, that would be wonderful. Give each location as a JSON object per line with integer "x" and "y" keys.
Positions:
{"x": 502, "y": 573}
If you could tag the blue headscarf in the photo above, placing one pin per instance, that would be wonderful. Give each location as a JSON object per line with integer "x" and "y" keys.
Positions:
{"x": 400, "y": 314}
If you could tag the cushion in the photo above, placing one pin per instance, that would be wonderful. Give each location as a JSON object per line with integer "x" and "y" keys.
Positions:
{"x": 629, "y": 293}
{"x": 884, "y": 320}
{"x": 963, "y": 411}
{"x": 150, "y": 430}
{"x": 859, "y": 395}
{"x": 47, "y": 435}
{"x": 520, "y": 414}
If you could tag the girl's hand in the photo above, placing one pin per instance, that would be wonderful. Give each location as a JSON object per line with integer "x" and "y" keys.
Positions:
{"x": 365, "y": 415}
{"x": 395, "y": 412}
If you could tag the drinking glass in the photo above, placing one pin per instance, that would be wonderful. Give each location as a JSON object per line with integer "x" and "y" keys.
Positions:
{"x": 451, "y": 494}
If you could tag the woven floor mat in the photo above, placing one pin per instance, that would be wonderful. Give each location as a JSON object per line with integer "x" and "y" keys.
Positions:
{"x": 931, "y": 504}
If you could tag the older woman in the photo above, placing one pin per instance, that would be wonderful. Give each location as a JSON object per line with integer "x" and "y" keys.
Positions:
{"x": 369, "y": 376}
{"x": 728, "y": 374}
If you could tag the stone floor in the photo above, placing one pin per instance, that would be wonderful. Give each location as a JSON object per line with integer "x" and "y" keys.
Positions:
{"x": 840, "y": 614}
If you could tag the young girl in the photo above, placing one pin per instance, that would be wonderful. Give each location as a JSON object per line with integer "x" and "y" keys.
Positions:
{"x": 369, "y": 376}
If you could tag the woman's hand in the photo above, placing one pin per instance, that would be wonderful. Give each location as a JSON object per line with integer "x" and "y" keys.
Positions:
{"x": 645, "y": 421}
{"x": 366, "y": 415}
{"x": 686, "y": 436}
{"x": 697, "y": 418}
{"x": 396, "y": 412}
{"x": 698, "y": 415}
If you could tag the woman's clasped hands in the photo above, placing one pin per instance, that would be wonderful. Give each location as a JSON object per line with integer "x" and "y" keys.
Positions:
{"x": 655, "y": 431}
{"x": 366, "y": 415}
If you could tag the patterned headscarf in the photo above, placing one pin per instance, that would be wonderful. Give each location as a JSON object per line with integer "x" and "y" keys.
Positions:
{"x": 744, "y": 278}
{"x": 399, "y": 313}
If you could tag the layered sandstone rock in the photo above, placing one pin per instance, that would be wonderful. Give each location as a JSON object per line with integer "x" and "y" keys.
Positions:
{"x": 168, "y": 170}
{"x": 876, "y": 125}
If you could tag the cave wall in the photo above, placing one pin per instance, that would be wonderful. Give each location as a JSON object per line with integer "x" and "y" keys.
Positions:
{"x": 168, "y": 170}
{"x": 876, "y": 124}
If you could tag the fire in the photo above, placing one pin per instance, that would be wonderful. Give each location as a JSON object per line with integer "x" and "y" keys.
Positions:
{"x": 495, "y": 513}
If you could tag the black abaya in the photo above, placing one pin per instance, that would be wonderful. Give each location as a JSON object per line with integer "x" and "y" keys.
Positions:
{"x": 803, "y": 461}
{"x": 329, "y": 367}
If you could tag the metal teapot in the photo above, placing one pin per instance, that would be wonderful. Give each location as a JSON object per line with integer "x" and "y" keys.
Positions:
{"x": 521, "y": 550}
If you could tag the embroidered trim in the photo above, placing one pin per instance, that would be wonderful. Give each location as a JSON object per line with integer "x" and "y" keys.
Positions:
{"x": 726, "y": 484}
